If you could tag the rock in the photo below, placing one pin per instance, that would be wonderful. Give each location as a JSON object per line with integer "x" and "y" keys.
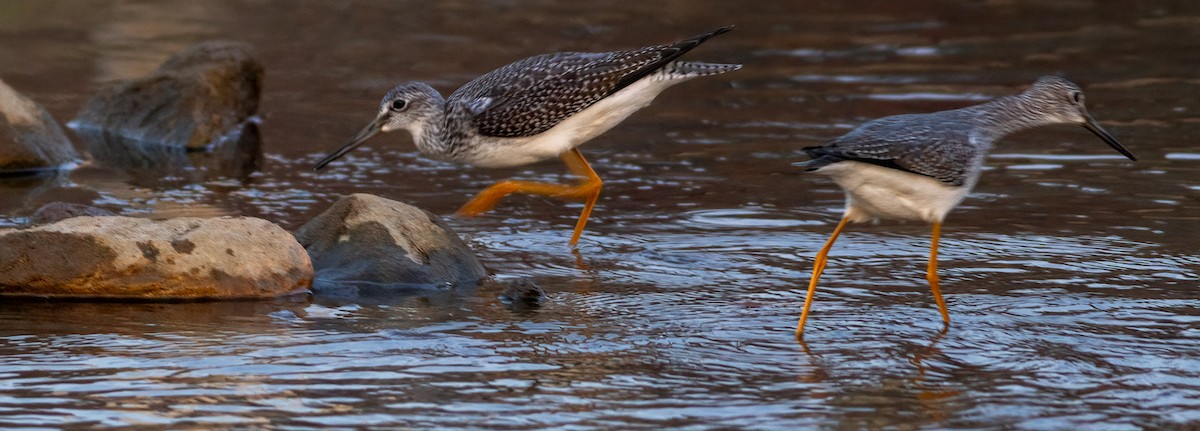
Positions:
{"x": 31, "y": 142}
{"x": 58, "y": 211}
{"x": 522, "y": 295}
{"x": 192, "y": 100}
{"x": 132, "y": 258}
{"x": 363, "y": 238}
{"x": 21, "y": 196}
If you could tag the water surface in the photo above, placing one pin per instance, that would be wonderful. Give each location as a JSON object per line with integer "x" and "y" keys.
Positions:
{"x": 1071, "y": 274}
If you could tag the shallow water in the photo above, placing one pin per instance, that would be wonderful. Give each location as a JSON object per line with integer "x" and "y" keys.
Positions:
{"x": 1071, "y": 274}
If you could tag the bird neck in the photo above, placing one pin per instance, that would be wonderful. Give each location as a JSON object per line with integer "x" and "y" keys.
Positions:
{"x": 429, "y": 131}
{"x": 1007, "y": 115}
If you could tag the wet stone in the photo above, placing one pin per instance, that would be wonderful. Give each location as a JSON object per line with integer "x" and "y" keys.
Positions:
{"x": 23, "y": 196}
{"x": 364, "y": 238}
{"x": 192, "y": 100}
{"x": 522, "y": 294}
{"x": 131, "y": 258}
{"x": 31, "y": 141}
{"x": 58, "y": 211}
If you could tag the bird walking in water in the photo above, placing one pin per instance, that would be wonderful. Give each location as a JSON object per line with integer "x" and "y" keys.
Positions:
{"x": 535, "y": 109}
{"x": 920, "y": 166}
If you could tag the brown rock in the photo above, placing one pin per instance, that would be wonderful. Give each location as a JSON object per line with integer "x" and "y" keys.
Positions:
{"x": 366, "y": 238}
{"x": 194, "y": 98}
{"x": 58, "y": 211}
{"x": 131, "y": 258}
{"x": 31, "y": 141}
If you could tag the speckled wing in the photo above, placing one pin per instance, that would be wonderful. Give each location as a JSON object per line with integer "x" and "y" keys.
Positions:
{"x": 531, "y": 96}
{"x": 932, "y": 148}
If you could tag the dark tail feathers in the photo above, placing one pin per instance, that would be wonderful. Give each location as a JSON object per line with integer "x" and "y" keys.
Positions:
{"x": 819, "y": 159}
{"x": 669, "y": 54}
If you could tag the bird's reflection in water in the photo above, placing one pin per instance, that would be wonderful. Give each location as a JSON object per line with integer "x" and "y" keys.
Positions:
{"x": 931, "y": 395}
{"x": 931, "y": 398}
{"x": 579, "y": 263}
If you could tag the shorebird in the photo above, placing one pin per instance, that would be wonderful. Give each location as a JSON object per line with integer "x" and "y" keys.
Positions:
{"x": 920, "y": 166}
{"x": 534, "y": 109}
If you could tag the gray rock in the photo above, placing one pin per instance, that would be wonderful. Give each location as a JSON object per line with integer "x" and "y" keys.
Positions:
{"x": 363, "y": 238}
{"x": 31, "y": 142}
{"x": 59, "y": 211}
{"x": 131, "y": 258}
{"x": 522, "y": 295}
{"x": 192, "y": 100}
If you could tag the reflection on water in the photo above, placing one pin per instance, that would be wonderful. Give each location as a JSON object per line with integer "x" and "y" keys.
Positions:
{"x": 1070, "y": 274}
{"x": 235, "y": 156}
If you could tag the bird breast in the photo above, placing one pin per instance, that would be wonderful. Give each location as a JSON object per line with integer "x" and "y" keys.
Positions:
{"x": 877, "y": 192}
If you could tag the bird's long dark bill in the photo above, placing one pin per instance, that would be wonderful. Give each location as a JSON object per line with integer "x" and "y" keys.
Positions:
{"x": 1091, "y": 124}
{"x": 358, "y": 139}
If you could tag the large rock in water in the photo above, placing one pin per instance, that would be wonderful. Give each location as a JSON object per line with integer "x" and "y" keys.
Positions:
{"x": 30, "y": 140}
{"x": 132, "y": 258}
{"x": 366, "y": 238}
{"x": 194, "y": 98}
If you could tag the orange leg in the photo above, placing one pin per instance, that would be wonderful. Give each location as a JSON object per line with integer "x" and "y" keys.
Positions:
{"x": 931, "y": 274}
{"x": 587, "y": 190}
{"x": 818, "y": 268}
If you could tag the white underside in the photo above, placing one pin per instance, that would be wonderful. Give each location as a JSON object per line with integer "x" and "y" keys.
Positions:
{"x": 575, "y": 130}
{"x": 876, "y": 192}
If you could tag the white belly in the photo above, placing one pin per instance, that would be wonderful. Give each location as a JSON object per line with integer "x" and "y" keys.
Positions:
{"x": 875, "y": 192}
{"x": 575, "y": 130}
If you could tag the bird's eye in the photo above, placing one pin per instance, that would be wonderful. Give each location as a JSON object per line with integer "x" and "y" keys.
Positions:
{"x": 398, "y": 105}
{"x": 1077, "y": 97}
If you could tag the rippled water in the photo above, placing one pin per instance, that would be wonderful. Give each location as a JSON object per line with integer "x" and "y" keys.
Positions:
{"x": 1070, "y": 273}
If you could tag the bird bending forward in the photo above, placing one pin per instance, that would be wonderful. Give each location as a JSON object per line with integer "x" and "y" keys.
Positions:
{"x": 920, "y": 166}
{"x": 535, "y": 109}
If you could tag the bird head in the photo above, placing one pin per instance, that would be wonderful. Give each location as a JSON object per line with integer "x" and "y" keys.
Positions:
{"x": 1059, "y": 101}
{"x": 408, "y": 106}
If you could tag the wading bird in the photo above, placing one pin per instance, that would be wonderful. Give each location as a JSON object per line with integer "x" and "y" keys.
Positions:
{"x": 535, "y": 109}
{"x": 920, "y": 166}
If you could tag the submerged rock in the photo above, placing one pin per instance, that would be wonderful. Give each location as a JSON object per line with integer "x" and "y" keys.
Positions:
{"x": 522, "y": 295}
{"x": 192, "y": 100}
{"x": 59, "y": 211}
{"x": 364, "y": 238}
{"x": 31, "y": 142}
{"x": 132, "y": 258}
{"x": 22, "y": 196}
